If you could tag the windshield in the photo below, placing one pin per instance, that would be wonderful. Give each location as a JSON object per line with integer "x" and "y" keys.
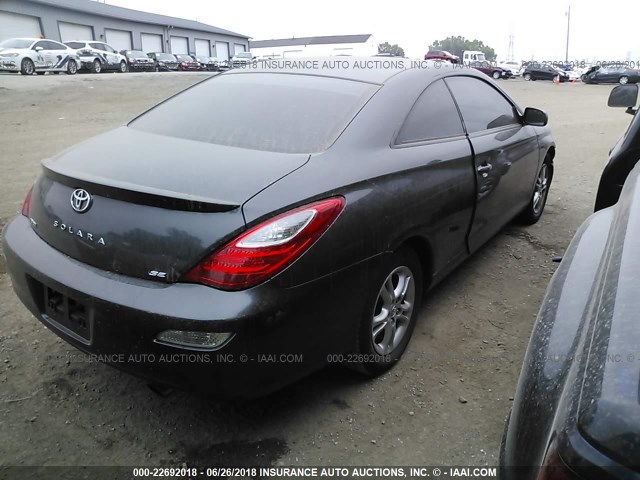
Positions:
{"x": 263, "y": 111}
{"x": 202, "y": 59}
{"x": 16, "y": 43}
{"x": 136, "y": 54}
{"x": 184, "y": 58}
{"x": 167, "y": 57}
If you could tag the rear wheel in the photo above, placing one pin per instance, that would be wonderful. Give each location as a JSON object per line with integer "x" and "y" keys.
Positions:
{"x": 623, "y": 80}
{"x": 390, "y": 313}
{"x": 527, "y": 76}
{"x": 533, "y": 211}
{"x": 96, "y": 66}
{"x": 27, "y": 67}
{"x": 72, "y": 67}
{"x": 123, "y": 67}
{"x": 496, "y": 75}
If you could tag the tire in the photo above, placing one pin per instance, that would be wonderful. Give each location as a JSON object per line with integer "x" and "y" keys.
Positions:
{"x": 584, "y": 78}
{"x": 72, "y": 67}
{"x": 123, "y": 67}
{"x": 96, "y": 66}
{"x": 27, "y": 67}
{"x": 533, "y": 211}
{"x": 383, "y": 337}
{"x": 503, "y": 448}
{"x": 527, "y": 76}
{"x": 496, "y": 75}
{"x": 623, "y": 80}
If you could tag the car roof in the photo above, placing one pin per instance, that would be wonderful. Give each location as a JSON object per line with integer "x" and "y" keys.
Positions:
{"x": 363, "y": 69}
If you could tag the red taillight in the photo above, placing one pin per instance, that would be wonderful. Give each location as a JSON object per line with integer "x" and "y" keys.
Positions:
{"x": 27, "y": 203}
{"x": 553, "y": 468}
{"x": 266, "y": 249}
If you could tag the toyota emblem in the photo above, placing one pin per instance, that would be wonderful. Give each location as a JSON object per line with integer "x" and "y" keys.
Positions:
{"x": 80, "y": 200}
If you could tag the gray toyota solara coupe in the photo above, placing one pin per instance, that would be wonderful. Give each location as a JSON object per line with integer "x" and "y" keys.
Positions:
{"x": 271, "y": 220}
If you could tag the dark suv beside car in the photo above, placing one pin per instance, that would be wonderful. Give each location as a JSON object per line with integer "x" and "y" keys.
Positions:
{"x": 576, "y": 411}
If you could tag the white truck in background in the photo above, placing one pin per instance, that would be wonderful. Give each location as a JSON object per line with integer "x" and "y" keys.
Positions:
{"x": 473, "y": 56}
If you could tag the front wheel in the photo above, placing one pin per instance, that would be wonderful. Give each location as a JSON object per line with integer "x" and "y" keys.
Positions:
{"x": 496, "y": 75}
{"x": 72, "y": 67}
{"x": 623, "y": 80}
{"x": 123, "y": 67}
{"x": 96, "y": 66}
{"x": 533, "y": 211}
{"x": 390, "y": 312}
{"x": 27, "y": 67}
{"x": 527, "y": 76}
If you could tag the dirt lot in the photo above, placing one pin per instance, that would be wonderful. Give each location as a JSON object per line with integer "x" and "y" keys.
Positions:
{"x": 445, "y": 403}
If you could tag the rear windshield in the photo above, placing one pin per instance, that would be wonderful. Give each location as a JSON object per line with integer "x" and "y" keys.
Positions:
{"x": 75, "y": 44}
{"x": 262, "y": 111}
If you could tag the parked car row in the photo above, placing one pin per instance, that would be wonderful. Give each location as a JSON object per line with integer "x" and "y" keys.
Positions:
{"x": 36, "y": 55}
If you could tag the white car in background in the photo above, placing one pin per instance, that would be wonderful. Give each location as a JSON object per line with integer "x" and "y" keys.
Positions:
{"x": 37, "y": 55}
{"x": 242, "y": 59}
{"x": 515, "y": 67}
{"x": 98, "y": 56}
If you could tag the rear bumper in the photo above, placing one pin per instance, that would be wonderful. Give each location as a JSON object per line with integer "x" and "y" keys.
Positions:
{"x": 280, "y": 334}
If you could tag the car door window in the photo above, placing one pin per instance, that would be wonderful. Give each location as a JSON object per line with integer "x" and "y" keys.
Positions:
{"x": 109, "y": 49}
{"x": 481, "y": 105}
{"x": 434, "y": 115}
{"x": 54, "y": 46}
{"x": 97, "y": 46}
{"x": 41, "y": 44}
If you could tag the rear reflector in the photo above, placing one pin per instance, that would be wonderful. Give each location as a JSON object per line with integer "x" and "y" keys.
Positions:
{"x": 190, "y": 339}
{"x": 26, "y": 206}
{"x": 553, "y": 467}
{"x": 266, "y": 249}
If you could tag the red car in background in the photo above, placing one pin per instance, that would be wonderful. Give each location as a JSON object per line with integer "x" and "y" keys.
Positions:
{"x": 186, "y": 62}
{"x": 441, "y": 55}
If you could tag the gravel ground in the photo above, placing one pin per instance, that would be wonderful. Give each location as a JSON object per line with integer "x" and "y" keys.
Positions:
{"x": 445, "y": 403}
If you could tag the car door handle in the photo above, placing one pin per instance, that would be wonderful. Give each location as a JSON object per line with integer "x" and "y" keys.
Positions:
{"x": 485, "y": 168}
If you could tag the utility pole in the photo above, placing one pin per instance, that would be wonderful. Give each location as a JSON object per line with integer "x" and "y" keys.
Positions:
{"x": 568, "y": 14}
{"x": 510, "y": 54}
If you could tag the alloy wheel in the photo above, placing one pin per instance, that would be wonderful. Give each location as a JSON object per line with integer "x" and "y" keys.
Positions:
{"x": 393, "y": 309}
{"x": 540, "y": 192}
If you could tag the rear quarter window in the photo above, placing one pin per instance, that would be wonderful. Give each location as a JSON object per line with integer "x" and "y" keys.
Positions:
{"x": 261, "y": 111}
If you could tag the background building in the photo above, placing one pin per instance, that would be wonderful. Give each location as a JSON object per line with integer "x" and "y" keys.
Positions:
{"x": 358, "y": 45}
{"x": 122, "y": 28}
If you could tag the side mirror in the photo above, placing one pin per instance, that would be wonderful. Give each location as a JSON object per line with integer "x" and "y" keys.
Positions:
{"x": 535, "y": 117}
{"x": 39, "y": 49}
{"x": 623, "y": 96}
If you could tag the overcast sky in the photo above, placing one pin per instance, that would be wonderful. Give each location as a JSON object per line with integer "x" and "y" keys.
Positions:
{"x": 602, "y": 31}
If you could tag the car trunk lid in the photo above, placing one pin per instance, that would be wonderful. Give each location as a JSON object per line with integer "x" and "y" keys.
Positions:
{"x": 156, "y": 207}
